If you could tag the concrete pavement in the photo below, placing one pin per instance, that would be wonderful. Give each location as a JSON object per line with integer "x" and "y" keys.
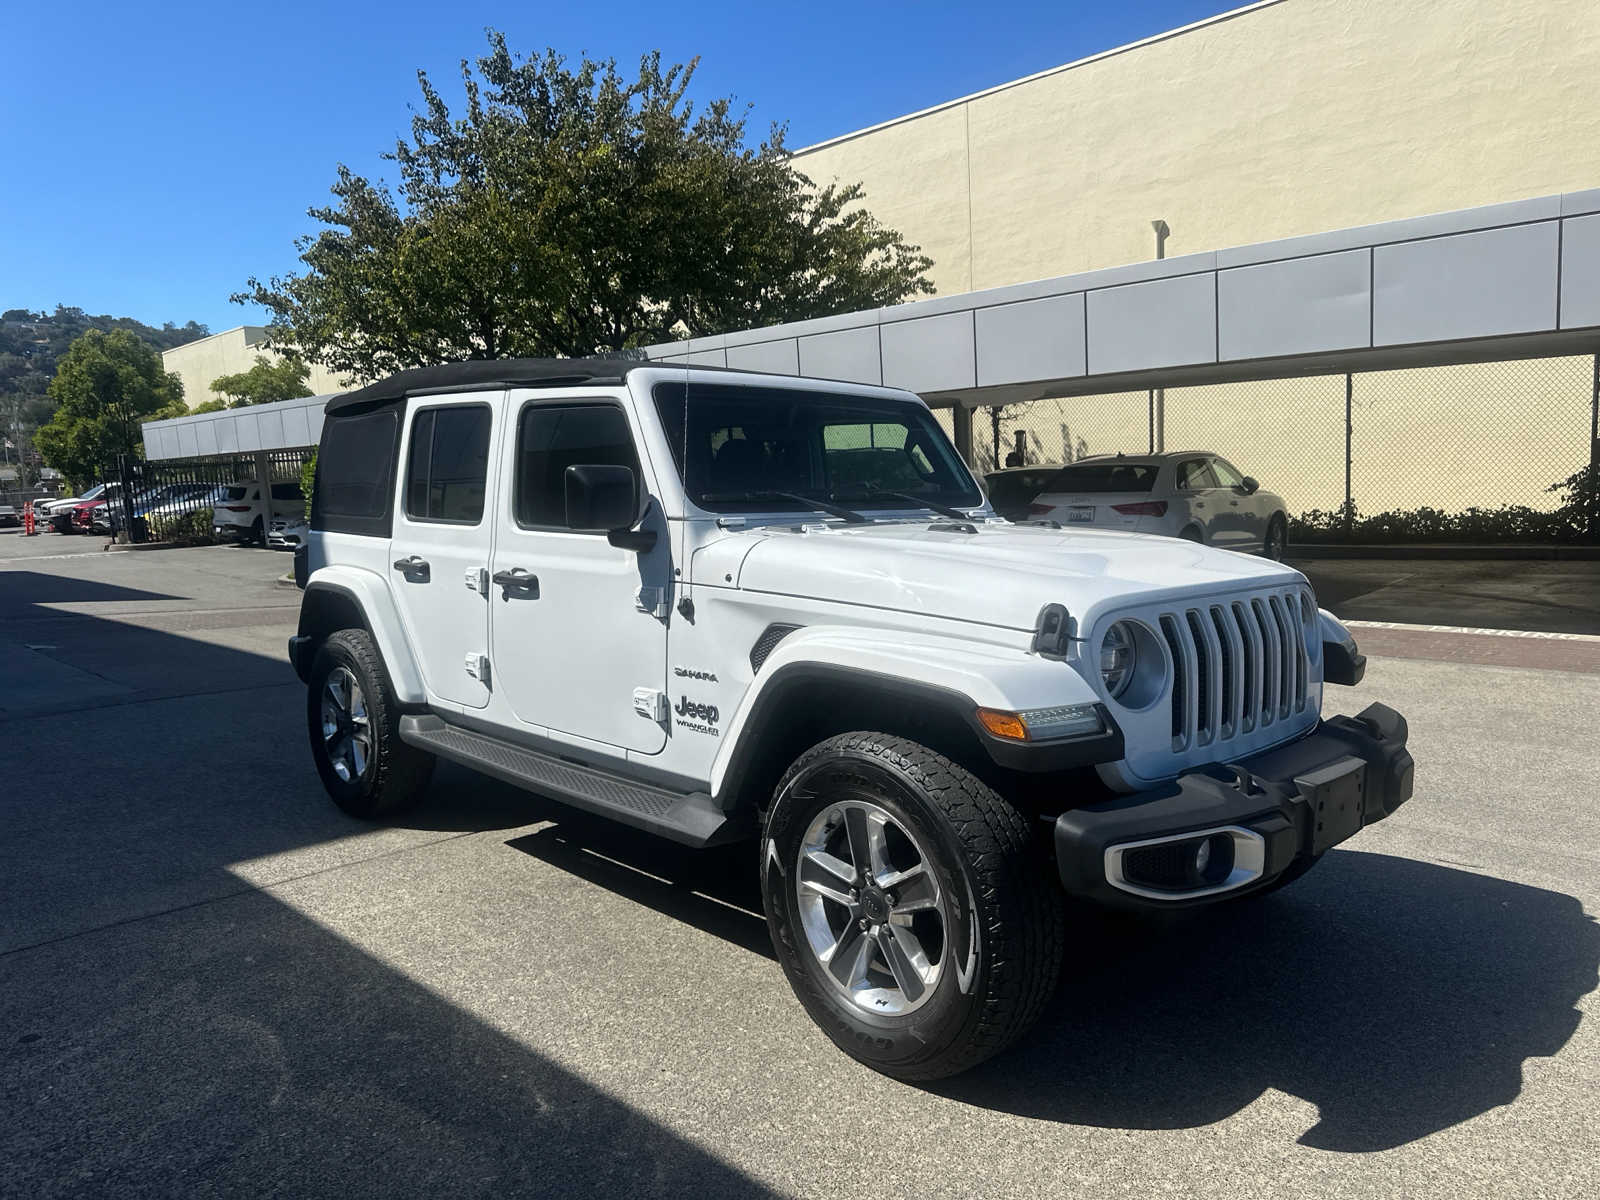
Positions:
{"x": 213, "y": 982}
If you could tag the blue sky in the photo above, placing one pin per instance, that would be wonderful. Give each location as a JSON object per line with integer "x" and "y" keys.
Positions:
{"x": 157, "y": 155}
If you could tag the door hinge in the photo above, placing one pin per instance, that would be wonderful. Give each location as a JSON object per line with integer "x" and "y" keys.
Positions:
{"x": 478, "y": 667}
{"x": 478, "y": 580}
{"x": 650, "y": 704}
{"x": 652, "y": 600}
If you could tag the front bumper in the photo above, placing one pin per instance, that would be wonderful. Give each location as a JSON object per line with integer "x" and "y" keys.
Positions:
{"x": 1258, "y": 818}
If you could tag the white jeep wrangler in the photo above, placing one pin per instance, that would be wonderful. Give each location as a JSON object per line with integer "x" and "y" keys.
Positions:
{"x": 720, "y": 605}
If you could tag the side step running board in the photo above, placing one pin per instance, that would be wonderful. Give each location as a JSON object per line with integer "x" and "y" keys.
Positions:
{"x": 691, "y": 818}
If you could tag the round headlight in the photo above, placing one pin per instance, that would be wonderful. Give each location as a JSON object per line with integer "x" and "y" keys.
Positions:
{"x": 1117, "y": 658}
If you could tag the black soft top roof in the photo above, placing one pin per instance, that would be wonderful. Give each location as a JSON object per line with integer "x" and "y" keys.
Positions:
{"x": 494, "y": 372}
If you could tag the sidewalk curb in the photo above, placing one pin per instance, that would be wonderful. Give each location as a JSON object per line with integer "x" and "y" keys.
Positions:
{"x": 1440, "y": 550}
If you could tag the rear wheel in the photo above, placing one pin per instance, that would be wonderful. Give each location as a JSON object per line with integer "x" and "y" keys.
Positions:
{"x": 353, "y": 721}
{"x": 1193, "y": 534}
{"x": 906, "y": 907}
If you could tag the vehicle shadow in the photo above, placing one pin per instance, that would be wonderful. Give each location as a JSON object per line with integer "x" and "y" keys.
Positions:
{"x": 1399, "y": 997}
{"x": 716, "y": 890}
{"x": 171, "y": 1028}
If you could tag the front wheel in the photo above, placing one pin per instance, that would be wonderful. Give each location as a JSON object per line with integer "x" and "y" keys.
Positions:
{"x": 354, "y": 724}
{"x": 906, "y": 907}
{"x": 1277, "y": 540}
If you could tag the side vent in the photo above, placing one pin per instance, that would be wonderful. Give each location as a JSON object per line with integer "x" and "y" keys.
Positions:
{"x": 768, "y": 642}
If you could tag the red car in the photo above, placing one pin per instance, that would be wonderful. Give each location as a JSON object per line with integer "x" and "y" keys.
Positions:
{"x": 72, "y": 518}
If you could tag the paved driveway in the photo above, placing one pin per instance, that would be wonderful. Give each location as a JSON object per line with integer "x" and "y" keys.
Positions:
{"x": 211, "y": 981}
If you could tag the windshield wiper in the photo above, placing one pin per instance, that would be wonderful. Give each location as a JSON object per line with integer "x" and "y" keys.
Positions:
{"x": 849, "y": 516}
{"x": 944, "y": 510}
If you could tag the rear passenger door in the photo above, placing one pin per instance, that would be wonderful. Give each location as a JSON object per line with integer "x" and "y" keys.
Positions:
{"x": 441, "y": 541}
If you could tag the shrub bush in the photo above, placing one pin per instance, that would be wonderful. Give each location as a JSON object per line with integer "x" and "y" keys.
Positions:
{"x": 184, "y": 529}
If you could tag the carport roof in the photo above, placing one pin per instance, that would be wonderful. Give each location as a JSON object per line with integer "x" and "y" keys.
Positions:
{"x": 1502, "y": 281}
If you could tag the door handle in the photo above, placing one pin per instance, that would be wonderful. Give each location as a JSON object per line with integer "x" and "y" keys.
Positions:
{"x": 415, "y": 568}
{"x": 517, "y": 580}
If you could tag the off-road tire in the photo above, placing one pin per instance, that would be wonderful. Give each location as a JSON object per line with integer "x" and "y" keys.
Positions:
{"x": 396, "y": 773}
{"x": 981, "y": 846}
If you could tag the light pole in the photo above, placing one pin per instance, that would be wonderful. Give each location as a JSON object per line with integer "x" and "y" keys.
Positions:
{"x": 1158, "y": 396}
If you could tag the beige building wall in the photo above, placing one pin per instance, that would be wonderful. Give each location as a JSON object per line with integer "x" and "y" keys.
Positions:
{"x": 228, "y": 353}
{"x": 1283, "y": 118}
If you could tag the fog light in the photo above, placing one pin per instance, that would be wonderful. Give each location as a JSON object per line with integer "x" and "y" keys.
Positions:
{"x": 1202, "y": 858}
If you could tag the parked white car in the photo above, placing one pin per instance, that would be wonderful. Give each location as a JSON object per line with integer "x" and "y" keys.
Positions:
{"x": 1191, "y": 494}
{"x": 237, "y": 511}
{"x": 288, "y": 533}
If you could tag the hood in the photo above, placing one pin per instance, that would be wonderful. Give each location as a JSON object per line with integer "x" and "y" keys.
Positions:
{"x": 999, "y": 575}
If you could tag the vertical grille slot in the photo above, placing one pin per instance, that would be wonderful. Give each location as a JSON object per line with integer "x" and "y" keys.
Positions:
{"x": 1228, "y": 647}
{"x": 1271, "y": 662}
{"x": 1182, "y": 683}
{"x": 1250, "y": 676}
{"x": 1205, "y": 678}
{"x": 1288, "y": 639}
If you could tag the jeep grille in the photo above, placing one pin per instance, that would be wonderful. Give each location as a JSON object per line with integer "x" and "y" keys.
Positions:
{"x": 1238, "y": 665}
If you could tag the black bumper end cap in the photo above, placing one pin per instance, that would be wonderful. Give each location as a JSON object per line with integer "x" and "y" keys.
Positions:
{"x": 1343, "y": 664}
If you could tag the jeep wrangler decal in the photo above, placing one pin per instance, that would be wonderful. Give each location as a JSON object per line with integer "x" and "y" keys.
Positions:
{"x": 697, "y": 717}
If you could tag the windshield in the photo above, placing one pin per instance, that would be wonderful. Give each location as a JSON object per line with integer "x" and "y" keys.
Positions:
{"x": 742, "y": 446}
{"x": 1105, "y": 477}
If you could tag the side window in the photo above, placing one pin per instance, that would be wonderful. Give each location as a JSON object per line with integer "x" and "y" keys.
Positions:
{"x": 553, "y": 437}
{"x": 1226, "y": 476}
{"x": 1195, "y": 474}
{"x": 355, "y": 474}
{"x": 448, "y": 465}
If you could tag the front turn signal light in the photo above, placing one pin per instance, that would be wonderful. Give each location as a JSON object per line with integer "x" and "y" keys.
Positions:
{"x": 1042, "y": 724}
{"x": 1003, "y": 724}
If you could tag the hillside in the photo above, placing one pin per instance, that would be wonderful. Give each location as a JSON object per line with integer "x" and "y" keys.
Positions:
{"x": 30, "y": 345}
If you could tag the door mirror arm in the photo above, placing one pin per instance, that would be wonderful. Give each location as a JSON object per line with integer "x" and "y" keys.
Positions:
{"x": 640, "y": 540}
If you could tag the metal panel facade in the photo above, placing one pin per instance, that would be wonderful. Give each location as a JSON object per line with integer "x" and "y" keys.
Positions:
{"x": 1300, "y": 306}
{"x": 1499, "y": 281}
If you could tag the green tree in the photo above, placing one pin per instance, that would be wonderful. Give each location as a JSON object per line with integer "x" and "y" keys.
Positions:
{"x": 105, "y": 385}
{"x": 209, "y": 406}
{"x": 569, "y": 211}
{"x": 265, "y": 382}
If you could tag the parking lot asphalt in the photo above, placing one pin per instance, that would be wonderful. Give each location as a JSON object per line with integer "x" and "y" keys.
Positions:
{"x": 1547, "y": 595}
{"x": 213, "y": 982}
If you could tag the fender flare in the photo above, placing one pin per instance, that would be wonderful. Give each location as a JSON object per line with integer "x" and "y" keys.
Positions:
{"x": 372, "y": 599}
{"x": 954, "y": 676}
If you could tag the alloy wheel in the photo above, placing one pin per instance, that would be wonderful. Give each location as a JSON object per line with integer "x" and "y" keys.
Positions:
{"x": 346, "y": 727}
{"x": 871, "y": 907}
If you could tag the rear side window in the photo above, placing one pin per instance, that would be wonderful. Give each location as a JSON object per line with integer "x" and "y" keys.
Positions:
{"x": 551, "y": 438}
{"x": 448, "y": 464}
{"x": 355, "y": 474}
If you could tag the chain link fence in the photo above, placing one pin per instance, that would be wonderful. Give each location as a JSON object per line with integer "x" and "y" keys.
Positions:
{"x": 1488, "y": 452}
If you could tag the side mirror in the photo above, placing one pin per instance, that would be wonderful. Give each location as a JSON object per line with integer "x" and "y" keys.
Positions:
{"x": 1251, "y": 487}
{"x": 605, "y": 499}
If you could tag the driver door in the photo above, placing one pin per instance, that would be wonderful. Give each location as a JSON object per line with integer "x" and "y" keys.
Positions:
{"x": 578, "y": 651}
{"x": 1240, "y": 519}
